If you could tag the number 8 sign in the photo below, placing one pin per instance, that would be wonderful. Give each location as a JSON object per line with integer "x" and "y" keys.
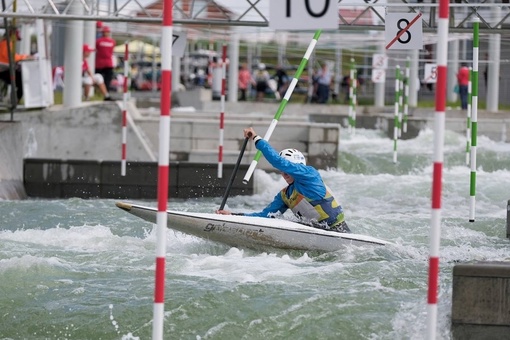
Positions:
{"x": 404, "y": 31}
{"x": 303, "y": 14}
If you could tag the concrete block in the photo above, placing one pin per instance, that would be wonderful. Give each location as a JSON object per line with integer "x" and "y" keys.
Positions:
{"x": 42, "y": 177}
{"x": 81, "y": 178}
{"x": 136, "y": 172}
{"x": 11, "y": 160}
{"x": 140, "y": 181}
{"x": 201, "y": 180}
{"x": 82, "y": 190}
{"x": 179, "y": 145}
{"x": 324, "y": 133}
{"x": 481, "y": 301}
{"x": 323, "y": 150}
{"x": 81, "y": 171}
{"x": 42, "y": 170}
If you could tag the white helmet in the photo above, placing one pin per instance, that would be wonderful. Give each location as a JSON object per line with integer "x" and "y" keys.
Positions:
{"x": 262, "y": 66}
{"x": 293, "y": 155}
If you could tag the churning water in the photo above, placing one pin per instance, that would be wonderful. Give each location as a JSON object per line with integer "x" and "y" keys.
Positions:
{"x": 84, "y": 269}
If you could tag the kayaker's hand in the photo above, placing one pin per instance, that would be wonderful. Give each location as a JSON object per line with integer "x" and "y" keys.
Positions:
{"x": 249, "y": 133}
{"x": 223, "y": 212}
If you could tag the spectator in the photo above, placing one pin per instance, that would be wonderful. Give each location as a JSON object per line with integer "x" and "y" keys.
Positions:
{"x": 99, "y": 26}
{"x": 104, "y": 56}
{"x": 261, "y": 77}
{"x": 463, "y": 81}
{"x": 90, "y": 79}
{"x": 244, "y": 80}
{"x": 323, "y": 83}
{"x": 346, "y": 84}
{"x": 282, "y": 80}
{"x": 5, "y": 74}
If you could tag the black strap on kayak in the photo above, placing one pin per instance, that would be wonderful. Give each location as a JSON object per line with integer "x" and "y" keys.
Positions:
{"x": 234, "y": 172}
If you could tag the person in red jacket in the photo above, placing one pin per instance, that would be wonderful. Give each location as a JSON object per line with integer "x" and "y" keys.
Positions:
{"x": 89, "y": 79}
{"x": 104, "y": 55}
{"x": 463, "y": 82}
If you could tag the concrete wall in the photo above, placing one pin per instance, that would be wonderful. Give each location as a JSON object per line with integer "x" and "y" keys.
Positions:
{"x": 495, "y": 128}
{"x": 89, "y": 132}
{"x": 92, "y": 134}
{"x": 197, "y": 139}
{"x": 11, "y": 161}
{"x": 481, "y": 301}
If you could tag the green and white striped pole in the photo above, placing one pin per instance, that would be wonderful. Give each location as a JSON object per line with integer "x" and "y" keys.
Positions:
{"x": 474, "y": 119}
{"x": 396, "y": 111}
{"x": 283, "y": 103}
{"x": 406, "y": 94}
{"x": 400, "y": 102}
{"x": 468, "y": 115}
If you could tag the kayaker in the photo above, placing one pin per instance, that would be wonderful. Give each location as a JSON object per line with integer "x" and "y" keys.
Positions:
{"x": 306, "y": 194}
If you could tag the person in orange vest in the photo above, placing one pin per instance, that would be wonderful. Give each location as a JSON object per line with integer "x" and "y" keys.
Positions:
{"x": 4, "y": 59}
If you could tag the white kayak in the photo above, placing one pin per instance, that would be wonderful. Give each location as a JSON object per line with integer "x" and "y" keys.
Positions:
{"x": 253, "y": 232}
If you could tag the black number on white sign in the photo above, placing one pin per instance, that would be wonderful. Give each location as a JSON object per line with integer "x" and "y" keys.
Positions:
{"x": 309, "y": 9}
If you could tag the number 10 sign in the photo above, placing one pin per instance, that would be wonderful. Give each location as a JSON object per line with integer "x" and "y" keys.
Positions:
{"x": 404, "y": 31}
{"x": 303, "y": 14}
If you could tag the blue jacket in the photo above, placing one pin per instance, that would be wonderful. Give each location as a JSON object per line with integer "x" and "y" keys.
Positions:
{"x": 307, "y": 180}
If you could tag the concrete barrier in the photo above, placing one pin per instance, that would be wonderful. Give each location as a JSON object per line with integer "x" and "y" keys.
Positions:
{"x": 55, "y": 178}
{"x": 197, "y": 139}
{"x": 481, "y": 301}
{"x": 11, "y": 161}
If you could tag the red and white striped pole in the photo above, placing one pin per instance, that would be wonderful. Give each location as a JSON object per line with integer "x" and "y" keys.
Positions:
{"x": 163, "y": 168}
{"x": 439, "y": 124}
{"x": 124, "y": 111}
{"x": 222, "y": 108}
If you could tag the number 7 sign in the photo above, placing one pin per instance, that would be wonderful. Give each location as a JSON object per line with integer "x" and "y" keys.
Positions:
{"x": 303, "y": 14}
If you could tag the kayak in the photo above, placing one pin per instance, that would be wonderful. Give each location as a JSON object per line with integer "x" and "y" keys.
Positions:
{"x": 253, "y": 232}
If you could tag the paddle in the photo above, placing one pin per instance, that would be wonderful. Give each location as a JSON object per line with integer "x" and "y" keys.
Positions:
{"x": 234, "y": 172}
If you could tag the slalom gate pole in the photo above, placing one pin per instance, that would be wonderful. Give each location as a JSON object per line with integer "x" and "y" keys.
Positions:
{"x": 400, "y": 101}
{"x": 474, "y": 120}
{"x": 283, "y": 103}
{"x": 468, "y": 115}
{"x": 406, "y": 94}
{"x": 395, "y": 112}
{"x": 437, "y": 168}
{"x": 352, "y": 95}
{"x": 222, "y": 108}
{"x": 124, "y": 111}
{"x": 163, "y": 169}
{"x": 354, "y": 98}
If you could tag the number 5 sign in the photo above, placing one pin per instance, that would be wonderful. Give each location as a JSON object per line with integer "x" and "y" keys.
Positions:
{"x": 303, "y": 14}
{"x": 430, "y": 74}
{"x": 404, "y": 31}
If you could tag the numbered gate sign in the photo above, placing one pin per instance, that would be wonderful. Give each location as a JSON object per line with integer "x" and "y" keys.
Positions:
{"x": 178, "y": 44}
{"x": 303, "y": 14}
{"x": 430, "y": 74}
{"x": 378, "y": 76}
{"x": 380, "y": 61}
{"x": 403, "y": 31}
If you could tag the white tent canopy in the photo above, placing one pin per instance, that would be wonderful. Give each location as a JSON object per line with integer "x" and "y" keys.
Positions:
{"x": 137, "y": 47}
